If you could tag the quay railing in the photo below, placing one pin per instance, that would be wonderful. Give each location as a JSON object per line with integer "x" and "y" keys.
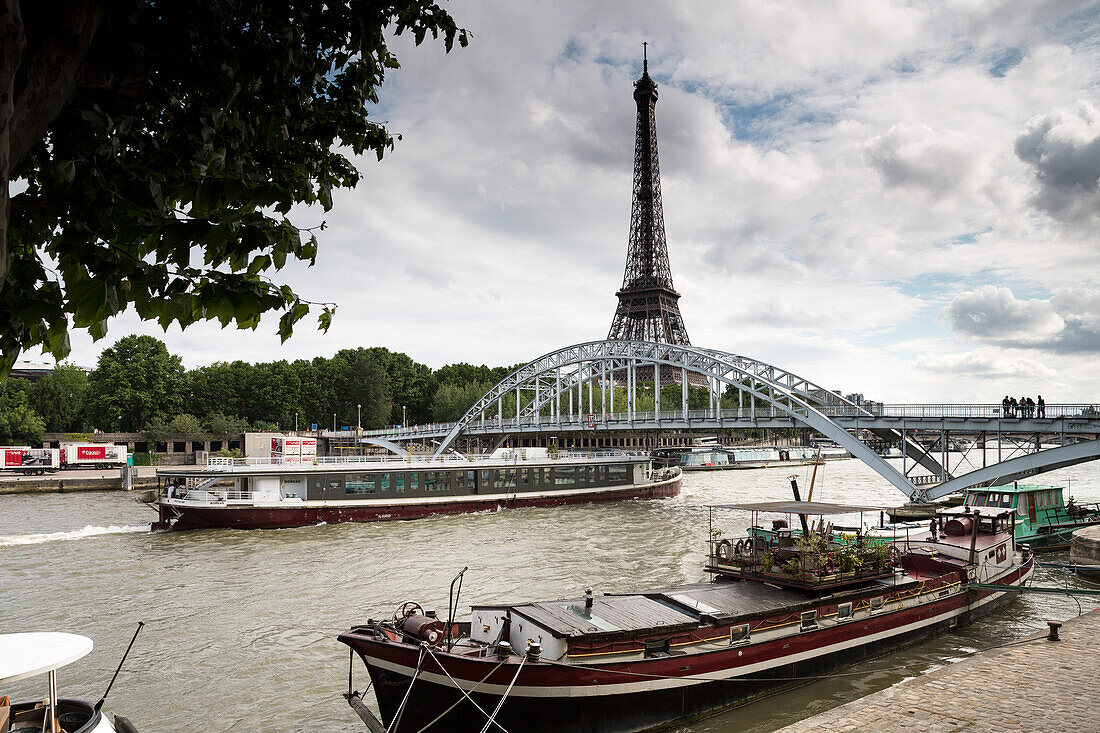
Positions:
{"x": 582, "y": 421}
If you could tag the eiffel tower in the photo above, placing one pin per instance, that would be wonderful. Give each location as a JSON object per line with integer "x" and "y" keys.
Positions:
{"x": 648, "y": 309}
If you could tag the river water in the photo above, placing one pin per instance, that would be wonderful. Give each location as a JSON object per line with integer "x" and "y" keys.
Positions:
{"x": 241, "y": 625}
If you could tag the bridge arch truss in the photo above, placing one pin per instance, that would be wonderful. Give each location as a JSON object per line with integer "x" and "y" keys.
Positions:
{"x": 594, "y": 370}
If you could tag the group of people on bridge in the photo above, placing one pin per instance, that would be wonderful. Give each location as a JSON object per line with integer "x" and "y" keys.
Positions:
{"x": 1024, "y": 408}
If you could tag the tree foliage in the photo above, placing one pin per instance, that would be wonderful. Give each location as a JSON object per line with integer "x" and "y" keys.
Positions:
{"x": 134, "y": 381}
{"x": 186, "y": 425}
{"x": 59, "y": 398}
{"x": 19, "y": 423}
{"x": 162, "y": 146}
{"x": 141, "y": 387}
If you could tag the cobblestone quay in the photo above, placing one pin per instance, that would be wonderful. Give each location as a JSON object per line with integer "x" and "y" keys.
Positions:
{"x": 1032, "y": 685}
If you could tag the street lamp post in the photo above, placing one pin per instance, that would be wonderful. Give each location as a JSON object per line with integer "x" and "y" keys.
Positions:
{"x": 334, "y": 422}
{"x": 404, "y": 422}
{"x": 359, "y": 417}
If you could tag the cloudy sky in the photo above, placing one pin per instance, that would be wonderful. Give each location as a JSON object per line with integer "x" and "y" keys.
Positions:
{"x": 895, "y": 198}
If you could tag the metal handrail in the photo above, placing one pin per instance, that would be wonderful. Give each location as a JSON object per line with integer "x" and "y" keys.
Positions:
{"x": 1082, "y": 411}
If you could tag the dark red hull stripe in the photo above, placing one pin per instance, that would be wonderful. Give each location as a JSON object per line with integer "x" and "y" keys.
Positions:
{"x": 252, "y": 517}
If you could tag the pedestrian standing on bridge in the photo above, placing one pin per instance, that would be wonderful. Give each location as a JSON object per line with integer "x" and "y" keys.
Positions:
{"x": 1042, "y": 406}
{"x": 1012, "y": 407}
{"x": 1005, "y": 406}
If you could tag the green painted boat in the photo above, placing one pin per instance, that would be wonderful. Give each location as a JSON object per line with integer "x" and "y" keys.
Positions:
{"x": 1044, "y": 519}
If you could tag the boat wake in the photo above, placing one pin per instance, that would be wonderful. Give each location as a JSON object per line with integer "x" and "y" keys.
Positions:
{"x": 74, "y": 534}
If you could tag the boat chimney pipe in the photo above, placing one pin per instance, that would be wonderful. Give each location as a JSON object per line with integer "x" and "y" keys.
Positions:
{"x": 588, "y": 599}
{"x": 974, "y": 537}
{"x": 798, "y": 497}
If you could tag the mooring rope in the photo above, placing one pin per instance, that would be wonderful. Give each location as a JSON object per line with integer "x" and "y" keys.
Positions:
{"x": 492, "y": 718}
{"x": 464, "y": 694}
{"x": 401, "y": 707}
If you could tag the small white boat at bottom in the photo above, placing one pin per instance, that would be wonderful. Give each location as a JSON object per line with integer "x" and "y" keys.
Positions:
{"x": 27, "y": 655}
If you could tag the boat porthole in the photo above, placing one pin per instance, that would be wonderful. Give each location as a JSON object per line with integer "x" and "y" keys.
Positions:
{"x": 739, "y": 652}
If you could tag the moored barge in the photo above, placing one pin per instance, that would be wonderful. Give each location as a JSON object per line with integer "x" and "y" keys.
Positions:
{"x": 779, "y": 612}
{"x": 246, "y": 493}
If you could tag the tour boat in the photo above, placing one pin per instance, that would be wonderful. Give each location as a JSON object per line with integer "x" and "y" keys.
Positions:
{"x": 27, "y": 655}
{"x": 249, "y": 493}
{"x": 778, "y": 612}
{"x": 1044, "y": 519}
{"x": 720, "y": 458}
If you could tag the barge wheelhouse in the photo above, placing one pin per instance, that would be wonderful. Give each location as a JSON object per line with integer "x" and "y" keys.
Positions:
{"x": 776, "y": 614}
{"x": 1044, "y": 519}
{"x": 268, "y": 493}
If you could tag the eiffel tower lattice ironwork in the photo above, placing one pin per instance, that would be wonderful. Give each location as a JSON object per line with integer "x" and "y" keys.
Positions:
{"x": 648, "y": 307}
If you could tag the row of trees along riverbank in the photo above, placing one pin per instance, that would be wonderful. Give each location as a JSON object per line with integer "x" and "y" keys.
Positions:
{"x": 139, "y": 386}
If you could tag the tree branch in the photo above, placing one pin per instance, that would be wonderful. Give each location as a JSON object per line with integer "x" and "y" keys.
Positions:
{"x": 48, "y": 75}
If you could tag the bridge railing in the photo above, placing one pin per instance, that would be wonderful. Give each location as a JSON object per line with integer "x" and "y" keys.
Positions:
{"x": 581, "y": 421}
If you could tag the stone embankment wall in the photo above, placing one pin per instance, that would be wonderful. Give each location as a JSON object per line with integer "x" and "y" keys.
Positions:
{"x": 56, "y": 484}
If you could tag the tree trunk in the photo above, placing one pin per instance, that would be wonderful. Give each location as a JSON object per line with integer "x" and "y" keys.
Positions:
{"x": 13, "y": 42}
{"x": 37, "y": 79}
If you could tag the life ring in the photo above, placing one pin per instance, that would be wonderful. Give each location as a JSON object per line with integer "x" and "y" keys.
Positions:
{"x": 725, "y": 550}
{"x": 830, "y": 565}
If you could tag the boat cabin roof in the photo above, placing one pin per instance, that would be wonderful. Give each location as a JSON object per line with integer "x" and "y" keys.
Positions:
{"x": 222, "y": 466}
{"x": 800, "y": 507}
{"x": 668, "y": 609}
{"x": 31, "y": 654}
{"x": 1015, "y": 488}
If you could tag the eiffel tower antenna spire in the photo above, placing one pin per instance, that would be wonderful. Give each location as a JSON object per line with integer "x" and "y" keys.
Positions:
{"x": 648, "y": 307}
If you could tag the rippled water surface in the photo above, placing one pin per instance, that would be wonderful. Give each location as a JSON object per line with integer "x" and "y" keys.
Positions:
{"x": 241, "y": 625}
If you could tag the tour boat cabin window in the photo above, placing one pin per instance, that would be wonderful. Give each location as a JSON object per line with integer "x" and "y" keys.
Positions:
{"x": 399, "y": 483}
{"x": 1006, "y": 500}
{"x": 486, "y": 480}
{"x": 385, "y": 482}
{"x": 809, "y": 621}
{"x": 1021, "y": 504}
{"x": 977, "y": 500}
{"x": 844, "y": 612}
{"x": 335, "y": 483}
{"x": 877, "y": 604}
{"x": 429, "y": 481}
{"x": 414, "y": 481}
{"x": 507, "y": 478}
{"x": 739, "y": 634}
{"x": 618, "y": 474}
{"x": 564, "y": 476}
{"x": 460, "y": 480}
{"x": 359, "y": 483}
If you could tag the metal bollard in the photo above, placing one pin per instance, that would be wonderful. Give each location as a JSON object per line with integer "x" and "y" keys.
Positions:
{"x": 1054, "y": 626}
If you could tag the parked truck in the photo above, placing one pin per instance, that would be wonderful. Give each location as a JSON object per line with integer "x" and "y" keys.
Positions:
{"x": 92, "y": 455}
{"x": 30, "y": 461}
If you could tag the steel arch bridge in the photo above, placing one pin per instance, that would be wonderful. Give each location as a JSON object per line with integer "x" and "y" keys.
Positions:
{"x": 589, "y": 373}
{"x": 570, "y": 370}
